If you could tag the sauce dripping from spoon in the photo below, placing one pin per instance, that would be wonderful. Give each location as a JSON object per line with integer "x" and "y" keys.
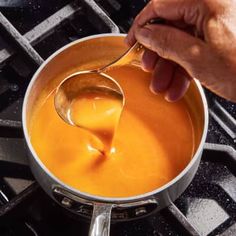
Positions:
{"x": 93, "y": 102}
{"x": 98, "y": 111}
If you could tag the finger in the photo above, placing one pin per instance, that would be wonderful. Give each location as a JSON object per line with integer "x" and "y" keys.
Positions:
{"x": 162, "y": 76}
{"x": 172, "y": 10}
{"x": 149, "y": 60}
{"x": 175, "y": 45}
{"x": 147, "y": 11}
{"x": 179, "y": 85}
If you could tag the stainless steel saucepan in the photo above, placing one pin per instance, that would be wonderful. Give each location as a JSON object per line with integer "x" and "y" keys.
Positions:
{"x": 88, "y": 53}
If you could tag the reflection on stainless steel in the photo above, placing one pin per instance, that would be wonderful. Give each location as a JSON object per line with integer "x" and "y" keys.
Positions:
{"x": 100, "y": 223}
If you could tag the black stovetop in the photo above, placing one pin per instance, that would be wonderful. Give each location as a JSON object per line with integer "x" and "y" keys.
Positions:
{"x": 207, "y": 207}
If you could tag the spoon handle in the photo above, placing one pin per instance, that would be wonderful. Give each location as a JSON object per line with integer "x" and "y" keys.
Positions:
{"x": 130, "y": 55}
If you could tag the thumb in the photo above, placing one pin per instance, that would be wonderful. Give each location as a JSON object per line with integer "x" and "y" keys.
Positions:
{"x": 175, "y": 45}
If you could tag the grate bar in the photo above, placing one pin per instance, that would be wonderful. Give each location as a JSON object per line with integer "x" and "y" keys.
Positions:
{"x": 20, "y": 40}
{"x": 10, "y": 123}
{"x": 18, "y": 199}
{"x": 42, "y": 30}
{"x": 224, "y": 119}
{"x": 183, "y": 220}
{"x": 221, "y": 148}
{"x": 107, "y": 20}
{"x": 3, "y": 198}
{"x": 47, "y": 27}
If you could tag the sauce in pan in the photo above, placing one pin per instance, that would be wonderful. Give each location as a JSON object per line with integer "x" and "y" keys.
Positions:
{"x": 153, "y": 142}
{"x": 99, "y": 112}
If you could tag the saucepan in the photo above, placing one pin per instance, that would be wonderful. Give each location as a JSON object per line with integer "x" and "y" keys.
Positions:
{"x": 95, "y": 51}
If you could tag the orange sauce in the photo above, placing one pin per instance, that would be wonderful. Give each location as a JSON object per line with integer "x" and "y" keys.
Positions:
{"x": 99, "y": 112}
{"x": 153, "y": 143}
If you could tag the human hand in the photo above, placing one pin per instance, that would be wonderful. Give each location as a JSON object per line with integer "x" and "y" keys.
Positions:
{"x": 175, "y": 56}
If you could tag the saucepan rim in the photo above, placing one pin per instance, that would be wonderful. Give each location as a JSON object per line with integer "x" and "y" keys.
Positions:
{"x": 88, "y": 196}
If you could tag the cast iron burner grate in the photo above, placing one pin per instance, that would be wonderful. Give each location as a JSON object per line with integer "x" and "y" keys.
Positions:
{"x": 207, "y": 207}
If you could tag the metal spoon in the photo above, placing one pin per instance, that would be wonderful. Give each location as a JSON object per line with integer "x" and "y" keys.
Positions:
{"x": 92, "y": 81}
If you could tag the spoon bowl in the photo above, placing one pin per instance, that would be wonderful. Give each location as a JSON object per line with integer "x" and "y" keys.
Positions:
{"x": 82, "y": 83}
{"x": 91, "y": 81}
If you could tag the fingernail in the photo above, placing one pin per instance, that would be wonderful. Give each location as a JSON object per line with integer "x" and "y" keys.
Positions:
{"x": 144, "y": 68}
{"x": 142, "y": 35}
{"x": 153, "y": 89}
{"x": 168, "y": 99}
{"x": 156, "y": 87}
{"x": 171, "y": 98}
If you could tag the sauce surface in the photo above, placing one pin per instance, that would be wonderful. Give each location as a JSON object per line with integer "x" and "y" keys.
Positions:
{"x": 153, "y": 143}
{"x": 99, "y": 112}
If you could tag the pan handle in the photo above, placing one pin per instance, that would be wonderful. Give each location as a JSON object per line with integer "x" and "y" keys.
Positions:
{"x": 100, "y": 223}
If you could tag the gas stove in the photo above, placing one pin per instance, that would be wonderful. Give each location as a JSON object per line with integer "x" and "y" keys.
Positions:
{"x": 30, "y": 31}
